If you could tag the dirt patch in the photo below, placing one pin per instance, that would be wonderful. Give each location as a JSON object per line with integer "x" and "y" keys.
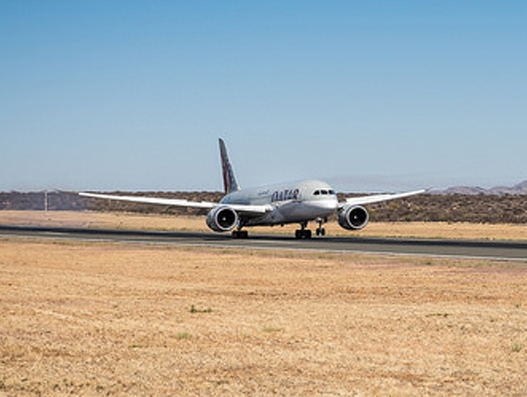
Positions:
{"x": 117, "y": 319}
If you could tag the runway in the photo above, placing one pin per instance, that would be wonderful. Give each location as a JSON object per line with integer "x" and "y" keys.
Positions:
{"x": 495, "y": 250}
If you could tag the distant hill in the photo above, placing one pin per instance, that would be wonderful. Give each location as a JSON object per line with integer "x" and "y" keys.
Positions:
{"x": 470, "y": 206}
{"x": 520, "y": 188}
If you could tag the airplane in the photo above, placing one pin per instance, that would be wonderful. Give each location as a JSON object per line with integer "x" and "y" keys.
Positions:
{"x": 280, "y": 204}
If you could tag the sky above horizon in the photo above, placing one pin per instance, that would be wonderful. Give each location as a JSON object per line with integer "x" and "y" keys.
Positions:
{"x": 368, "y": 96}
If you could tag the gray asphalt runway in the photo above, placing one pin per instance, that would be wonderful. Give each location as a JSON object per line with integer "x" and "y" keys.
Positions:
{"x": 495, "y": 250}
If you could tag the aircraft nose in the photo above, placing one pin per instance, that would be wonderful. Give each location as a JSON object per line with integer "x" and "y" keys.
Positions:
{"x": 329, "y": 203}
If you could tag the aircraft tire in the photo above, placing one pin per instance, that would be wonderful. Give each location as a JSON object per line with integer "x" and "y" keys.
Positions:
{"x": 303, "y": 234}
{"x": 240, "y": 234}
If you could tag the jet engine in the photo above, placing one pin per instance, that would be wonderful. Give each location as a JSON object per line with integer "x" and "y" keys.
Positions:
{"x": 353, "y": 217}
{"x": 222, "y": 219}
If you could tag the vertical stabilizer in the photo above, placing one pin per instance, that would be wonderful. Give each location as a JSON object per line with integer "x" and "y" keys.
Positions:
{"x": 229, "y": 180}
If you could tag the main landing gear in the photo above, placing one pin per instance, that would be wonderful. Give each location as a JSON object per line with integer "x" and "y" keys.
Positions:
{"x": 304, "y": 233}
{"x": 240, "y": 234}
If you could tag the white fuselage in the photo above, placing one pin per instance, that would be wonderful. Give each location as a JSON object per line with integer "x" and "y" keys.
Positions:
{"x": 289, "y": 202}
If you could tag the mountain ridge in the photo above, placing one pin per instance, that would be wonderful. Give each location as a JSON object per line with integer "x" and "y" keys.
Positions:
{"x": 520, "y": 188}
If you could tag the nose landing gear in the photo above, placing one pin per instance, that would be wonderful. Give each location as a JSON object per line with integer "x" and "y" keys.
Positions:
{"x": 320, "y": 229}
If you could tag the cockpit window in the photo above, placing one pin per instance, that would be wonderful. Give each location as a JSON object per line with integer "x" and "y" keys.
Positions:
{"x": 317, "y": 192}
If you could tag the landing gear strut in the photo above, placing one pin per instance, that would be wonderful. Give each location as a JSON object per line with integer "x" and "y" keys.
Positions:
{"x": 320, "y": 231}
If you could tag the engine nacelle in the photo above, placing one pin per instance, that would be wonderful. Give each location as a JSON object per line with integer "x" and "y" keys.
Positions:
{"x": 222, "y": 219}
{"x": 353, "y": 217}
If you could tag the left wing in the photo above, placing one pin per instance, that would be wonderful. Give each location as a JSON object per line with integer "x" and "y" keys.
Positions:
{"x": 247, "y": 209}
{"x": 378, "y": 198}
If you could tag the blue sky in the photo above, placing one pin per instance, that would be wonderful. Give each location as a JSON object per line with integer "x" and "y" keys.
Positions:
{"x": 369, "y": 96}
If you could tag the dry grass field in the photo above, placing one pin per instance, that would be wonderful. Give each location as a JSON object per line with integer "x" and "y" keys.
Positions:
{"x": 112, "y": 319}
{"x": 109, "y": 319}
{"x": 196, "y": 223}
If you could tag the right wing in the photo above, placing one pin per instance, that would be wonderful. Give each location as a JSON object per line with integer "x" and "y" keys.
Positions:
{"x": 241, "y": 208}
{"x": 378, "y": 198}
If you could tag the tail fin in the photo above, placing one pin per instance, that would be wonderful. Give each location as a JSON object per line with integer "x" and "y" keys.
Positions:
{"x": 229, "y": 180}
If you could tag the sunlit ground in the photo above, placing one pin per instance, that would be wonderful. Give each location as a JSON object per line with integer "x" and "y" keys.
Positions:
{"x": 116, "y": 319}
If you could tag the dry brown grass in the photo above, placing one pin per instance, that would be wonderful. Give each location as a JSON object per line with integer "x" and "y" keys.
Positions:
{"x": 194, "y": 223}
{"x": 117, "y": 319}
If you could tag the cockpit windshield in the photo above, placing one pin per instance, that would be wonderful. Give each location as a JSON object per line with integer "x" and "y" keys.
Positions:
{"x": 325, "y": 192}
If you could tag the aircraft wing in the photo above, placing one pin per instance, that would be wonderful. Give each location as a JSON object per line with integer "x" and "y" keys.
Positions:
{"x": 378, "y": 198}
{"x": 246, "y": 209}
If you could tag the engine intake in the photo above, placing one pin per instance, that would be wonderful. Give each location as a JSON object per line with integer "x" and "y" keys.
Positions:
{"x": 222, "y": 219}
{"x": 353, "y": 217}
